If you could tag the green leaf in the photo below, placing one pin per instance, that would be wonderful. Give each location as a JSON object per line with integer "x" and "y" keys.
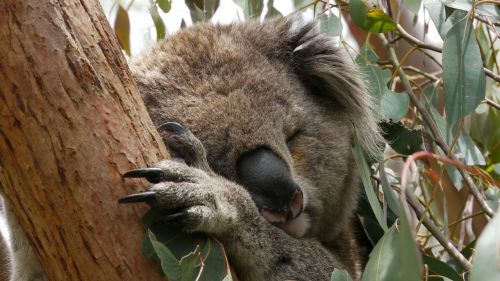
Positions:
{"x": 463, "y": 74}
{"x": 340, "y": 275}
{"x": 394, "y": 105}
{"x": 251, "y": 8}
{"x": 202, "y": 10}
{"x": 169, "y": 264}
{"x": 189, "y": 266}
{"x": 271, "y": 11}
{"x": 401, "y": 139}
{"x": 165, "y": 5}
{"x": 389, "y": 195}
{"x": 185, "y": 248}
{"x": 394, "y": 257}
{"x": 330, "y": 24}
{"x": 412, "y": 5}
{"x": 485, "y": 9}
{"x": 369, "y": 18}
{"x": 486, "y": 266}
{"x": 158, "y": 22}
{"x": 440, "y": 268}
{"x": 364, "y": 172}
{"x": 122, "y": 29}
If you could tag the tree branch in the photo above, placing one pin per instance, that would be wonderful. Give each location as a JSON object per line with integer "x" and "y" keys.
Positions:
{"x": 433, "y": 127}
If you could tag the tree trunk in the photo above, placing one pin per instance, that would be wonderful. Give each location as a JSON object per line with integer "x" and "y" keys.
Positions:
{"x": 72, "y": 121}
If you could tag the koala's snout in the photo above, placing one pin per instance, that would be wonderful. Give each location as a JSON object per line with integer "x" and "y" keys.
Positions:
{"x": 269, "y": 182}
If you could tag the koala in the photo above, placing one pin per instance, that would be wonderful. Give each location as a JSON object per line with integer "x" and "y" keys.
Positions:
{"x": 260, "y": 119}
{"x": 264, "y": 116}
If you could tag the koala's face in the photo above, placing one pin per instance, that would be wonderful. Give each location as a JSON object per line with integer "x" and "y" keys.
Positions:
{"x": 263, "y": 120}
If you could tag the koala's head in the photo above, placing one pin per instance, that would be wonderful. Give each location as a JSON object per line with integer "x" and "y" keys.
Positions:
{"x": 276, "y": 106}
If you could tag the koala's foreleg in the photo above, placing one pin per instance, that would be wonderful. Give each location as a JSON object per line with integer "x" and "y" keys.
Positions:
{"x": 23, "y": 263}
{"x": 197, "y": 200}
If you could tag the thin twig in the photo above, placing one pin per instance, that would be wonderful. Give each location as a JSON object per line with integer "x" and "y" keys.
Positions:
{"x": 414, "y": 41}
{"x": 408, "y": 196}
{"x": 417, "y": 42}
{"x": 479, "y": 18}
{"x": 492, "y": 103}
{"x": 492, "y": 74}
{"x": 433, "y": 127}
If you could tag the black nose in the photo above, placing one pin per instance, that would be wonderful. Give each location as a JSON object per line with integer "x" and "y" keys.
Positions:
{"x": 269, "y": 182}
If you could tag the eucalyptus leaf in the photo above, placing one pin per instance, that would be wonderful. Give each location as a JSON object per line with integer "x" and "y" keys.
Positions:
{"x": 440, "y": 268}
{"x": 463, "y": 74}
{"x": 401, "y": 139}
{"x": 486, "y": 265}
{"x": 158, "y": 22}
{"x": 340, "y": 275}
{"x": 369, "y": 18}
{"x": 169, "y": 264}
{"x": 330, "y": 24}
{"x": 395, "y": 257}
{"x": 165, "y": 5}
{"x": 364, "y": 172}
{"x": 412, "y": 5}
{"x": 394, "y": 105}
{"x": 486, "y": 9}
{"x": 272, "y": 12}
{"x": 122, "y": 29}
{"x": 389, "y": 195}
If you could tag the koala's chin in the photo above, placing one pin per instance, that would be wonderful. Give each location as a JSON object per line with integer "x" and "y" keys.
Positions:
{"x": 296, "y": 227}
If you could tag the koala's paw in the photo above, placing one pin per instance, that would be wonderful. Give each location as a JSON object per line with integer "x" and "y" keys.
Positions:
{"x": 188, "y": 197}
{"x": 187, "y": 192}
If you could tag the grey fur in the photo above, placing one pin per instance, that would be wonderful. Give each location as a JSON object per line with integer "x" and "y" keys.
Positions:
{"x": 243, "y": 86}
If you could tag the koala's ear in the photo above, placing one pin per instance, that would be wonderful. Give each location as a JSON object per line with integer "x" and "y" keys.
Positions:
{"x": 330, "y": 71}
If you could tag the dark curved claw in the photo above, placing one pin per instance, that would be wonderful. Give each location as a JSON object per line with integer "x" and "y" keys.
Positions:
{"x": 151, "y": 174}
{"x": 172, "y": 126}
{"x": 173, "y": 216}
{"x": 138, "y": 197}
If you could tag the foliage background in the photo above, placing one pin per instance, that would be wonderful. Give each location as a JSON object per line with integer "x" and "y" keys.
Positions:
{"x": 433, "y": 68}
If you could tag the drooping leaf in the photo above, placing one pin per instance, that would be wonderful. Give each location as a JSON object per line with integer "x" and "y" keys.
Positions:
{"x": 463, "y": 74}
{"x": 158, "y": 22}
{"x": 389, "y": 195}
{"x": 440, "y": 268}
{"x": 392, "y": 106}
{"x": 122, "y": 29}
{"x": 365, "y": 15}
{"x": 330, "y": 24}
{"x": 401, "y": 139}
{"x": 486, "y": 9}
{"x": 394, "y": 257}
{"x": 364, "y": 172}
{"x": 252, "y": 9}
{"x": 169, "y": 264}
{"x": 183, "y": 253}
{"x": 340, "y": 275}
{"x": 202, "y": 10}
{"x": 165, "y": 5}
{"x": 486, "y": 265}
{"x": 412, "y": 5}
{"x": 271, "y": 11}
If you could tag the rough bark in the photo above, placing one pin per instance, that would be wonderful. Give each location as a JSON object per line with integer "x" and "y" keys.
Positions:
{"x": 72, "y": 121}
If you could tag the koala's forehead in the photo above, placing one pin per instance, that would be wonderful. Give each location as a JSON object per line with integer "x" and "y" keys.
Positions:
{"x": 230, "y": 94}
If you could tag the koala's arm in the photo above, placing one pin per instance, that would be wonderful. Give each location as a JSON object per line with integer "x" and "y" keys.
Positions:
{"x": 197, "y": 200}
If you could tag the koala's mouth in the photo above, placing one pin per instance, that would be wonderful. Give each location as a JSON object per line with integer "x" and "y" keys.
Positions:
{"x": 287, "y": 214}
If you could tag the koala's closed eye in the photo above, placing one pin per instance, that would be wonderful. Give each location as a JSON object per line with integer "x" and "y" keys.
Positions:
{"x": 292, "y": 139}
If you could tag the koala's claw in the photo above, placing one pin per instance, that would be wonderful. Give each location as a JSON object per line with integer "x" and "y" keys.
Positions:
{"x": 172, "y": 126}
{"x": 138, "y": 197}
{"x": 153, "y": 175}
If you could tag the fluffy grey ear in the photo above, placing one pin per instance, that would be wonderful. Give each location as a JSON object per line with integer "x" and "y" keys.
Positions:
{"x": 329, "y": 69}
